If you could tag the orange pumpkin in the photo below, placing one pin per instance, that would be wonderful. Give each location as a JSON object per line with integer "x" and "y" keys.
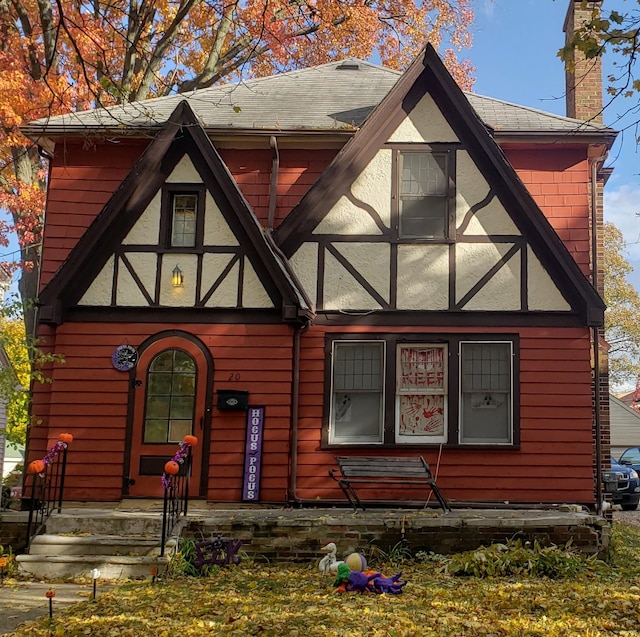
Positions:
{"x": 50, "y": 594}
{"x": 37, "y": 466}
{"x": 66, "y": 438}
{"x": 172, "y": 467}
{"x": 190, "y": 440}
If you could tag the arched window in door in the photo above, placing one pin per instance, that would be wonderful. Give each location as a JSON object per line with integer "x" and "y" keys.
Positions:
{"x": 170, "y": 398}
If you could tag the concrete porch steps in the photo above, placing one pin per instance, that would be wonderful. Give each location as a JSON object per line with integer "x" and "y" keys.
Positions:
{"x": 120, "y": 545}
{"x": 117, "y": 538}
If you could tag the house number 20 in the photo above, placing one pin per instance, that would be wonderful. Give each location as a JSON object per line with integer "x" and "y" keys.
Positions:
{"x": 234, "y": 376}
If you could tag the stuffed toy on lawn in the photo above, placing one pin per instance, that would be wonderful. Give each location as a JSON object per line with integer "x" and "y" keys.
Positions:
{"x": 367, "y": 582}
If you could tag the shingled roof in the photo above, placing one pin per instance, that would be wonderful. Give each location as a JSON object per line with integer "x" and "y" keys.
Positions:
{"x": 337, "y": 96}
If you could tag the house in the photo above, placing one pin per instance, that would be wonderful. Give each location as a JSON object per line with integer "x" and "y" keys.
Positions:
{"x": 624, "y": 425}
{"x": 376, "y": 263}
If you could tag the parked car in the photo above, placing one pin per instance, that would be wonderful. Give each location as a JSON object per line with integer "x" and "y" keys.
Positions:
{"x": 626, "y": 470}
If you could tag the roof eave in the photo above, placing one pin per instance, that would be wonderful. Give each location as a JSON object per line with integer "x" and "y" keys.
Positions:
{"x": 606, "y": 136}
{"x": 45, "y": 137}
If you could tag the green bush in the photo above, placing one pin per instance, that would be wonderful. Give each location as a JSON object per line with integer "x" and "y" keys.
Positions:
{"x": 520, "y": 558}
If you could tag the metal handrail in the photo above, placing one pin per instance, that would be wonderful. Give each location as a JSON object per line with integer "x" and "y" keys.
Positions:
{"x": 176, "y": 498}
{"x": 47, "y": 488}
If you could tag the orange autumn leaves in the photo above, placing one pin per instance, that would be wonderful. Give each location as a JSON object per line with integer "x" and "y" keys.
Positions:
{"x": 65, "y": 56}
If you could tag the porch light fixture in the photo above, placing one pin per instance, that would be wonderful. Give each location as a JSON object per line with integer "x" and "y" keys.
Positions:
{"x": 177, "y": 278}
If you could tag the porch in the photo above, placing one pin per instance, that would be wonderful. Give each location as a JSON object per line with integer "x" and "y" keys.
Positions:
{"x": 124, "y": 538}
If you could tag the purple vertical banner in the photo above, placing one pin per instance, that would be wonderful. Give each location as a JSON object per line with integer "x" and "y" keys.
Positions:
{"x": 253, "y": 455}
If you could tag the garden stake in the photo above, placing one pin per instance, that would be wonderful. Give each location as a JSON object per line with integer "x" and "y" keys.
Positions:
{"x": 95, "y": 574}
{"x": 50, "y": 594}
{"x": 154, "y": 573}
{"x": 3, "y": 563}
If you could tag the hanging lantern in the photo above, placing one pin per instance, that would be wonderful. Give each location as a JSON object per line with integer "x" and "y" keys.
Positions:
{"x": 177, "y": 278}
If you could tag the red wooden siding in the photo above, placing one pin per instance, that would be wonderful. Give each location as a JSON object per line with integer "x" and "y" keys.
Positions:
{"x": 559, "y": 182}
{"x": 298, "y": 171}
{"x": 89, "y": 398}
{"x": 553, "y": 463}
{"x": 83, "y": 179}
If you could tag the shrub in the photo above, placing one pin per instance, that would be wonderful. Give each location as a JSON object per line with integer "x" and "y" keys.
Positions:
{"x": 520, "y": 558}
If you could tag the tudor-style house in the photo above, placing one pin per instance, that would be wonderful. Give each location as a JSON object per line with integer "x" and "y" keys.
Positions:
{"x": 341, "y": 260}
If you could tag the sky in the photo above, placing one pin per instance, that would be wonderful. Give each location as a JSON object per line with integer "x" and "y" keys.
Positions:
{"x": 515, "y": 54}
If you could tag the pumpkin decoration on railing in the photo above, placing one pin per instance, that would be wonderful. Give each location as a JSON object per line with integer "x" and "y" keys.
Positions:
{"x": 172, "y": 467}
{"x": 40, "y": 466}
{"x": 37, "y": 466}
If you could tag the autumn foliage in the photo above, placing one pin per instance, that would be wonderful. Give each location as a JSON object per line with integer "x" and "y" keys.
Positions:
{"x": 63, "y": 56}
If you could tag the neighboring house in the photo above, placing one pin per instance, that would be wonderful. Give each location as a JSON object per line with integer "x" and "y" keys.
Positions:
{"x": 13, "y": 456}
{"x": 625, "y": 426}
{"x": 384, "y": 263}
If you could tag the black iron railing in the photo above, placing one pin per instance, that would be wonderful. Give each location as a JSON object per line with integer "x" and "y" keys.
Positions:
{"x": 175, "y": 481}
{"x": 44, "y": 487}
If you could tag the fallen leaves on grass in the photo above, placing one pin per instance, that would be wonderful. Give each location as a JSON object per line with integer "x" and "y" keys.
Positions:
{"x": 290, "y": 600}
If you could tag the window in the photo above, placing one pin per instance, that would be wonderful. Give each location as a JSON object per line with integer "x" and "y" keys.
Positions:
{"x": 421, "y": 393}
{"x": 401, "y": 390}
{"x": 356, "y": 395}
{"x": 485, "y": 397}
{"x": 424, "y": 195}
{"x": 170, "y": 399}
{"x": 183, "y": 220}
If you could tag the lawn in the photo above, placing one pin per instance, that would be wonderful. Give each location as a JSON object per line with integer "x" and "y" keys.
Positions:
{"x": 293, "y": 599}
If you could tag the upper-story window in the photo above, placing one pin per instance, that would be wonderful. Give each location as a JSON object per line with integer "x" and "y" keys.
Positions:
{"x": 423, "y": 194}
{"x": 183, "y": 215}
{"x": 183, "y": 220}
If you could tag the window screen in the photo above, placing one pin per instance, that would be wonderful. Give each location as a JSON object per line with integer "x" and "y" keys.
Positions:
{"x": 356, "y": 409}
{"x": 486, "y": 377}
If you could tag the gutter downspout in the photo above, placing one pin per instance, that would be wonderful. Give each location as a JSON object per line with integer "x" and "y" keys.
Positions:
{"x": 295, "y": 409}
{"x": 275, "y": 167}
{"x": 596, "y": 339}
{"x": 299, "y": 330}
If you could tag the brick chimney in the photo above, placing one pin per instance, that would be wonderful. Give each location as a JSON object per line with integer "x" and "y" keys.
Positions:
{"x": 584, "y": 82}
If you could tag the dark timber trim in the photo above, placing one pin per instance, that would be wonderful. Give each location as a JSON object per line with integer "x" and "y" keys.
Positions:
{"x": 487, "y": 276}
{"x": 428, "y": 75}
{"x": 202, "y": 315}
{"x": 182, "y": 135}
{"x": 459, "y": 318}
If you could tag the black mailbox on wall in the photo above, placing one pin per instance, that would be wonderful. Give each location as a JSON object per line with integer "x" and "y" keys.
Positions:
{"x": 233, "y": 399}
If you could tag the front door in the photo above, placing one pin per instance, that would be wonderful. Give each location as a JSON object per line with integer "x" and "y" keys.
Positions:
{"x": 169, "y": 403}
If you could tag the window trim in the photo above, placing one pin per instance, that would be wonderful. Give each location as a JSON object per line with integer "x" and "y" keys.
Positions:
{"x": 453, "y": 425}
{"x": 443, "y": 149}
{"x": 400, "y": 438}
{"x": 169, "y": 191}
{"x": 331, "y": 430}
{"x": 511, "y": 393}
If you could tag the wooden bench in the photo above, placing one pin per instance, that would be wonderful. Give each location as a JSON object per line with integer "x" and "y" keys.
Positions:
{"x": 382, "y": 470}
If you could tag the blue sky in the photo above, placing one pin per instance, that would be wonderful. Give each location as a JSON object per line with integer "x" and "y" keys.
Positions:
{"x": 514, "y": 51}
